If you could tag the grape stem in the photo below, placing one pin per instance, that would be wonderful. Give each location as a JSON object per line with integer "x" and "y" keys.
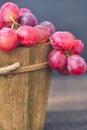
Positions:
{"x": 14, "y": 23}
{"x": 67, "y": 53}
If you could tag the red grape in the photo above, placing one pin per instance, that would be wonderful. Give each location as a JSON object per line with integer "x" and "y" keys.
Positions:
{"x": 62, "y": 40}
{"x": 9, "y": 10}
{"x": 76, "y": 65}
{"x": 2, "y": 23}
{"x": 77, "y": 47}
{"x": 64, "y": 71}
{"x": 42, "y": 35}
{"x": 27, "y": 19}
{"x": 27, "y": 36}
{"x": 57, "y": 59}
{"x": 49, "y": 27}
{"x": 8, "y": 39}
{"x": 23, "y": 11}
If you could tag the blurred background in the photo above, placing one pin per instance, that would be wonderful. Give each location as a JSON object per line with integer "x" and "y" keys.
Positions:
{"x": 67, "y": 102}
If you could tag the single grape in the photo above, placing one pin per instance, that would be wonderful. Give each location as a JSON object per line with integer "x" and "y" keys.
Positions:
{"x": 8, "y": 39}
{"x": 27, "y": 36}
{"x": 27, "y": 19}
{"x": 24, "y": 10}
{"x": 49, "y": 27}
{"x": 57, "y": 59}
{"x": 64, "y": 71}
{"x": 62, "y": 40}
{"x": 9, "y": 10}
{"x": 76, "y": 65}
{"x": 2, "y": 23}
{"x": 78, "y": 46}
{"x": 42, "y": 35}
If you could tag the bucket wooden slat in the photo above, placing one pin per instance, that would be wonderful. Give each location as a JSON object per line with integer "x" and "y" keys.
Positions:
{"x": 23, "y": 96}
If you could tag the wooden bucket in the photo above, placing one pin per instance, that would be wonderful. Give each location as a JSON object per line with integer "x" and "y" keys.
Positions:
{"x": 24, "y": 91}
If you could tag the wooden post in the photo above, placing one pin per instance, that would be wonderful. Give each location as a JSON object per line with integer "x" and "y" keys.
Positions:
{"x": 23, "y": 96}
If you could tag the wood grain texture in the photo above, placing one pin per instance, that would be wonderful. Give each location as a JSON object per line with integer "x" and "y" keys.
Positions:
{"x": 23, "y": 97}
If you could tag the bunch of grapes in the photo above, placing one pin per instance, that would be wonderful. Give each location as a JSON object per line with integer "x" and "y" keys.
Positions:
{"x": 19, "y": 27}
{"x": 65, "y": 57}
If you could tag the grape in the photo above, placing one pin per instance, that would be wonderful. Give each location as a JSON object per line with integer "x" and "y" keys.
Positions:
{"x": 77, "y": 47}
{"x": 76, "y": 65}
{"x": 8, "y": 39}
{"x": 64, "y": 71}
{"x": 57, "y": 59}
{"x": 42, "y": 35}
{"x": 9, "y": 10}
{"x": 27, "y": 36}
{"x": 27, "y": 19}
{"x": 62, "y": 40}
{"x": 49, "y": 27}
{"x": 24, "y": 10}
{"x": 2, "y": 23}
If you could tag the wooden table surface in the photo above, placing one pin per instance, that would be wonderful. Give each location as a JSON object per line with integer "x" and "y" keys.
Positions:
{"x": 71, "y": 120}
{"x": 67, "y": 104}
